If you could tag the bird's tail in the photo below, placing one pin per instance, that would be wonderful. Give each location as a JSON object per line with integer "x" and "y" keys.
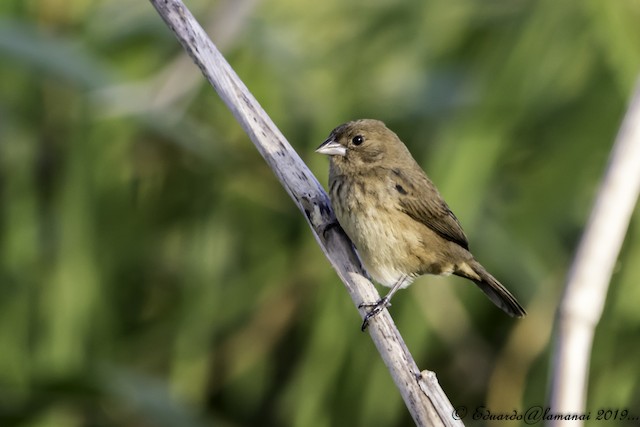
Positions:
{"x": 493, "y": 289}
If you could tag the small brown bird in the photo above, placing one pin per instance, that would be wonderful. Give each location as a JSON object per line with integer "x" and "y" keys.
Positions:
{"x": 396, "y": 217}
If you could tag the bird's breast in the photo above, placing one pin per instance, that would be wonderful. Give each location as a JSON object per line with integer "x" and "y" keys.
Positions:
{"x": 390, "y": 244}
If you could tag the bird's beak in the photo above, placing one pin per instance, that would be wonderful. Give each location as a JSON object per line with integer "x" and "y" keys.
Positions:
{"x": 332, "y": 148}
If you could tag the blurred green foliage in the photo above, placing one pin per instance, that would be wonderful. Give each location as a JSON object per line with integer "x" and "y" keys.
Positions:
{"x": 154, "y": 273}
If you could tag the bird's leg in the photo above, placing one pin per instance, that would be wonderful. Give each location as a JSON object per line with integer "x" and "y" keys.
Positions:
{"x": 381, "y": 304}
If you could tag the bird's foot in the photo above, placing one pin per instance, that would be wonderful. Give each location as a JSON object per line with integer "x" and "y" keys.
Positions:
{"x": 326, "y": 227}
{"x": 376, "y": 308}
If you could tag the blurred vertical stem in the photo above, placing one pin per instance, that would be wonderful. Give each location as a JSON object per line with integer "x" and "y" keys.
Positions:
{"x": 421, "y": 392}
{"x": 70, "y": 301}
{"x": 588, "y": 281}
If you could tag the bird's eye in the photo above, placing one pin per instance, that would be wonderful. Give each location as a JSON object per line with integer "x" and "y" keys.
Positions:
{"x": 357, "y": 140}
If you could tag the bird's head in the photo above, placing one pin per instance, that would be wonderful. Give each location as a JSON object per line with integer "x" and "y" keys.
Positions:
{"x": 363, "y": 144}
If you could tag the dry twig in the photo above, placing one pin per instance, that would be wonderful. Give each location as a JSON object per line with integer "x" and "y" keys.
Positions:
{"x": 588, "y": 281}
{"x": 421, "y": 392}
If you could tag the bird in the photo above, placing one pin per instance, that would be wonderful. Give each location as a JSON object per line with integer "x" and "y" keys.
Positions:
{"x": 395, "y": 216}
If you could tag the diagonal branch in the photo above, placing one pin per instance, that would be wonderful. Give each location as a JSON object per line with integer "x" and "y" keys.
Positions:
{"x": 588, "y": 281}
{"x": 421, "y": 392}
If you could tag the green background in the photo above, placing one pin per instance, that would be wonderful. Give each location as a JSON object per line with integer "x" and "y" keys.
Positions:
{"x": 154, "y": 273}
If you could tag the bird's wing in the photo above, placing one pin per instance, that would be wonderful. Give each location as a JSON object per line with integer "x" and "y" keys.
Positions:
{"x": 419, "y": 199}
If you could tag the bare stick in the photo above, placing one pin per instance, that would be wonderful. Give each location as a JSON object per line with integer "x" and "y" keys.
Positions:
{"x": 588, "y": 280}
{"x": 421, "y": 392}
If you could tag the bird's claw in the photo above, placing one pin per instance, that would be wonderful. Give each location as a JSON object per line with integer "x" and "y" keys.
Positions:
{"x": 325, "y": 228}
{"x": 376, "y": 308}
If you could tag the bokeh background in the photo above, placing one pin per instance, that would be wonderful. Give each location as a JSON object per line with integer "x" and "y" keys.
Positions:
{"x": 154, "y": 273}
